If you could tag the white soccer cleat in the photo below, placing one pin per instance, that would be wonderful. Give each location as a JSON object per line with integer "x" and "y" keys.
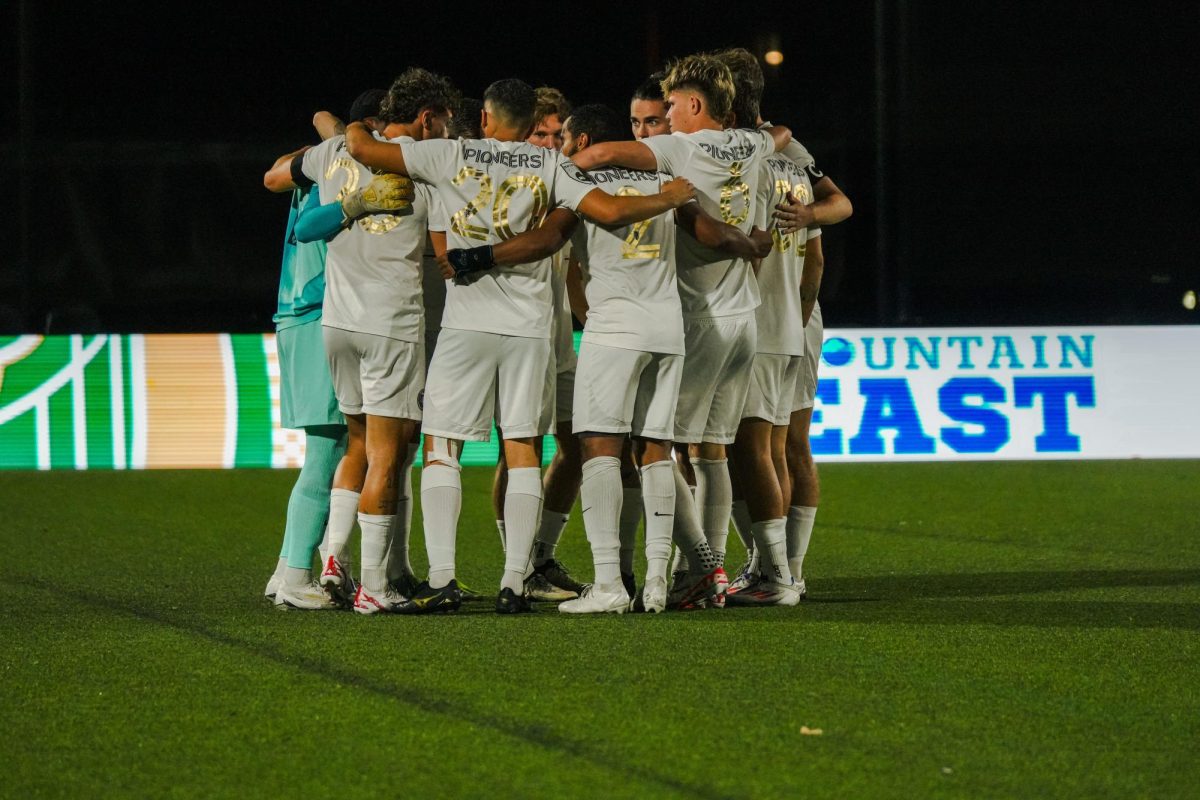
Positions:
{"x": 654, "y": 595}
{"x": 310, "y": 597}
{"x": 273, "y": 587}
{"x": 596, "y": 599}
{"x": 337, "y": 583}
{"x": 745, "y": 576}
{"x": 764, "y": 591}
{"x": 802, "y": 587}
{"x": 704, "y": 591}
{"x": 385, "y": 602}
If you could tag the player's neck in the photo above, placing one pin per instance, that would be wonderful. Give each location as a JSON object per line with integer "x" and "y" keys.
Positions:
{"x": 704, "y": 123}
{"x": 411, "y": 130}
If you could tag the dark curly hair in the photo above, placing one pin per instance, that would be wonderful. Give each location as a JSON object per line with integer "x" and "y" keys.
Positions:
{"x": 599, "y": 122}
{"x": 651, "y": 88}
{"x": 415, "y": 90}
{"x": 513, "y": 100}
{"x": 465, "y": 122}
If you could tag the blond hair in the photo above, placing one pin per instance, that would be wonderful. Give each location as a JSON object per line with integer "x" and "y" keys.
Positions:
{"x": 550, "y": 101}
{"x": 706, "y": 75}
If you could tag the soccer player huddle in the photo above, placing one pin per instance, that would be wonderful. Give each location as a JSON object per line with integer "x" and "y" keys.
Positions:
{"x": 691, "y": 256}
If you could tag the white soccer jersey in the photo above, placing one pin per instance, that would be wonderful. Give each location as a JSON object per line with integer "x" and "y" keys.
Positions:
{"x": 492, "y": 191}
{"x": 563, "y": 333}
{"x": 373, "y": 268}
{"x": 724, "y": 167}
{"x": 780, "y": 322}
{"x": 631, "y": 288}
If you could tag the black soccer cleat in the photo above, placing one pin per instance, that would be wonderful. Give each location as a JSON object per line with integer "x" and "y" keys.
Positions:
{"x": 427, "y": 600}
{"x": 509, "y": 602}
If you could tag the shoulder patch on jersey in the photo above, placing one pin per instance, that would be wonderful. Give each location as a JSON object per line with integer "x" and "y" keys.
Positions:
{"x": 574, "y": 172}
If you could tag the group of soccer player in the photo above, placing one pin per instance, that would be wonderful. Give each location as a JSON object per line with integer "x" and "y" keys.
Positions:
{"x": 691, "y": 256}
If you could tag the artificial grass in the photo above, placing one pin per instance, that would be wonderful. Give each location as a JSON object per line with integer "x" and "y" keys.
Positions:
{"x": 973, "y": 630}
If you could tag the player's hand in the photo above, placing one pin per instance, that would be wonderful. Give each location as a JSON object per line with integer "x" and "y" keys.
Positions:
{"x": 792, "y": 215}
{"x": 678, "y": 191}
{"x": 468, "y": 264}
{"x": 357, "y": 133}
{"x": 385, "y": 194}
{"x": 445, "y": 267}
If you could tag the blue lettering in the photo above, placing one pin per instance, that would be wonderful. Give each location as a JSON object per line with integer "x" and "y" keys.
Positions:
{"x": 889, "y": 406}
{"x": 829, "y": 443}
{"x": 1039, "y": 348}
{"x": 932, "y": 356}
{"x": 1004, "y": 347}
{"x": 1056, "y": 436}
{"x": 965, "y": 345}
{"x": 951, "y": 399}
{"x": 1083, "y": 355}
{"x": 889, "y": 348}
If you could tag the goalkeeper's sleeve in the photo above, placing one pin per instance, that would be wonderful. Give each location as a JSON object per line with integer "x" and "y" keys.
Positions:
{"x": 319, "y": 223}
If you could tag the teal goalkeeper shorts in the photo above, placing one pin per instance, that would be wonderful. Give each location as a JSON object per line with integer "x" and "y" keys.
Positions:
{"x": 305, "y": 389}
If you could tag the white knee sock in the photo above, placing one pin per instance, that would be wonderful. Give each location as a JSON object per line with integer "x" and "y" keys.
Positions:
{"x": 441, "y": 504}
{"x": 522, "y": 507}
{"x": 658, "y": 496}
{"x": 800, "y": 521}
{"x": 376, "y": 533}
{"x": 503, "y": 538}
{"x": 601, "y": 495}
{"x": 631, "y": 517}
{"x": 398, "y": 563}
{"x": 549, "y": 532}
{"x": 343, "y": 511}
{"x": 770, "y": 541}
{"x": 714, "y": 497}
{"x": 687, "y": 533}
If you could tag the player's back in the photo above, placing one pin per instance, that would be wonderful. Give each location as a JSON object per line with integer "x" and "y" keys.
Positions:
{"x": 724, "y": 167}
{"x": 633, "y": 298}
{"x": 491, "y": 191}
{"x": 780, "y": 322}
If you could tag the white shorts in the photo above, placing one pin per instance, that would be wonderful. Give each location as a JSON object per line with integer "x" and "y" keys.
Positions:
{"x": 557, "y": 400}
{"x": 814, "y": 339}
{"x": 716, "y": 374}
{"x": 772, "y": 390}
{"x": 476, "y": 377}
{"x": 626, "y": 391}
{"x": 375, "y": 374}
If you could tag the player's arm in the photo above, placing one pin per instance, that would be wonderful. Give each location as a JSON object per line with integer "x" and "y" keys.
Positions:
{"x": 576, "y": 297}
{"x": 633, "y": 155}
{"x": 385, "y": 194}
{"x": 810, "y": 276}
{"x": 830, "y": 206}
{"x": 780, "y": 134}
{"x": 327, "y": 125}
{"x": 281, "y": 176}
{"x": 605, "y": 209}
{"x": 718, "y": 235}
{"x": 373, "y": 153}
{"x": 524, "y": 248}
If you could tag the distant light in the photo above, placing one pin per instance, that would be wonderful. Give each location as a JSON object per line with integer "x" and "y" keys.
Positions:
{"x": 1189, "y": 300}
{"x": 773, "y": 57}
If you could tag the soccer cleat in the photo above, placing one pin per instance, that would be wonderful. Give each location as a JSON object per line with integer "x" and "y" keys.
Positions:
{"x": 428, "y": 600}
{"x": 630, "y": 583}
{"x": 654, "y": 596}
{"x": 610, "y": 599}
{"x": 272, "y": 587}
{"x": 558, "y": 575}
{"x": 337, "y": 583}
{"x": 310, "y": 597}
{"x": 766, "y": 592}
{"x": 367, "y": 602}
{"x": 538, "y": 588}
{"x": 509, "y": 602}
{"x": 468, "y": 594}
{"x": 803, "y": 588}
{"x": 745, "y": 576}
{"x": 406, "y": 585}
{"x": 705, "y": 591}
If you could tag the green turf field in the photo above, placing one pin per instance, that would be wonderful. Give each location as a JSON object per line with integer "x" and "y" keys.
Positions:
{"x": 973, "y": 630}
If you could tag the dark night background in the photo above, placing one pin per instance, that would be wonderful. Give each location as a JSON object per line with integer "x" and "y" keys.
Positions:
{"x": 1009, "y": 162}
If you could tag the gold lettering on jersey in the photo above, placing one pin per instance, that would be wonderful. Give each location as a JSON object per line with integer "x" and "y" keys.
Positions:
{"x": 460, "y": 223}
{"x": 350, "y": 168}
{"x": 632, "y": 247}
{"x": 379, "y": 224}
{"x": 735, "y": 185}
{"x": 510, "y": 186}
{"x": 784, "y": 243}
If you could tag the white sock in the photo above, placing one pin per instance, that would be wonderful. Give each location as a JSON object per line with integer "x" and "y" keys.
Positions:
{"x": 398, "y": 563}
{"x": 280, "y": 568}
{"x": 522, "y": 507}
{"x": 549, "y": 532}
{"x": 631, "y": 517}
{"x": 343, "y": 511}
{"x": 503, "y": 538}
{"x": 800, "y": 521}
{"x": 376, "y": 530}
{"x": 658, "y": 497}
{"x": 441, "y": 504}
{"x": 740, "y": 513}
{"x": 770, "y": 540}
{"x": 601, "y": 494}
{"x": 297, "y": 577}
{"x": 714, "y": 497}
{"x": 687, "y": 532}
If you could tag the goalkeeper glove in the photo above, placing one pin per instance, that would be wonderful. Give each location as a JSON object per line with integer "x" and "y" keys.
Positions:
{"x": 470, "y": 263}
{"x": 385, "y": 194}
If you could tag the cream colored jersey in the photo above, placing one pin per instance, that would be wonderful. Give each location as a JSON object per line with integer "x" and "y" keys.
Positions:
{"x": 629, "y": 272}
{"x": 780, "y": 323}
{"x": 492, "y": 191}
{"x": 563, "y": 334}
{"x": 373, "y": 268}
{"x": 724, "y": 167}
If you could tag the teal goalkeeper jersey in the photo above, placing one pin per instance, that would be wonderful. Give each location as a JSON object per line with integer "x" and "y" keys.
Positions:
{"x": 302, "y": 277}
